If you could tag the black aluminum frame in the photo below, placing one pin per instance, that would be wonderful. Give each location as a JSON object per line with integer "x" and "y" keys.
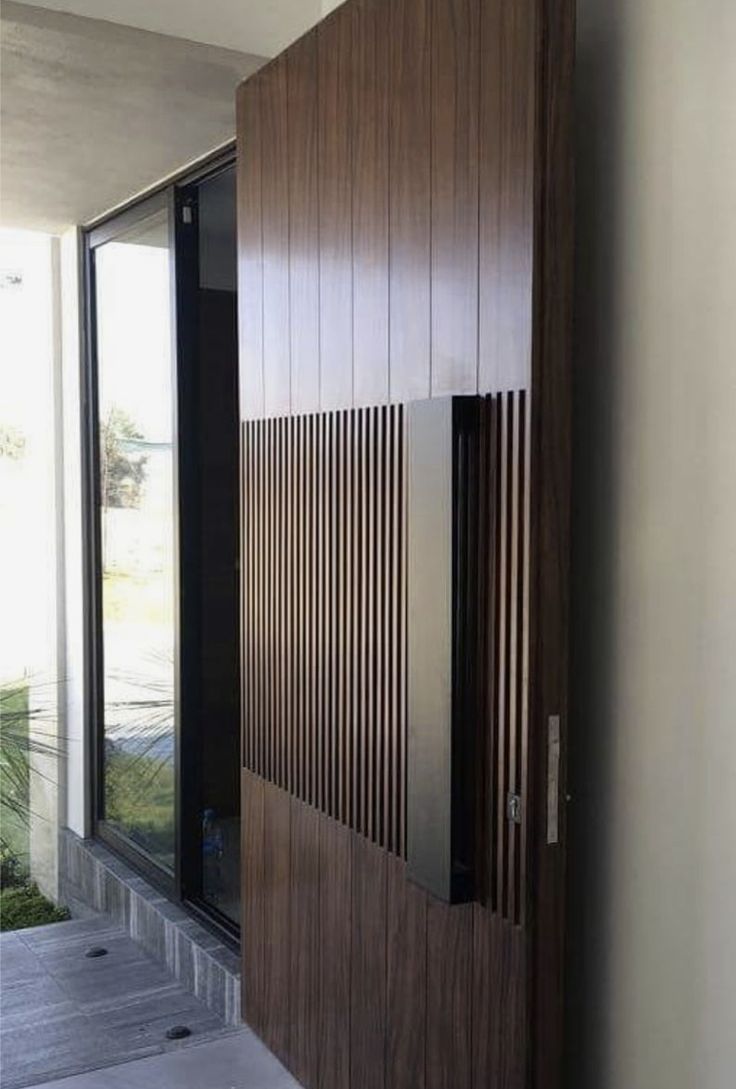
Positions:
{"x": 174, "y": 195}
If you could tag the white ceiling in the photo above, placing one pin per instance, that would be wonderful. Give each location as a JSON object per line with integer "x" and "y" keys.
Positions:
{"x": 264, "y": 27}
{"x": 94, "y": 113}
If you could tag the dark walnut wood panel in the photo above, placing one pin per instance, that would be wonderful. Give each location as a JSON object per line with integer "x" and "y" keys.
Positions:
{"x": 275, "y": 239}
{"x": 335, "y": 211}
{"x": 508, "y": 153}
{"x": 250, "y": 251}
{"x": 404, "y": 231}
{"x": 455, "y": 71}
{"x": 303, "y": 159}
{"x": 370, "y": 205}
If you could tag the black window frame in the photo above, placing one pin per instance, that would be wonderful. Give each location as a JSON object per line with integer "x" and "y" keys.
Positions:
{"x": 173, "y": 195}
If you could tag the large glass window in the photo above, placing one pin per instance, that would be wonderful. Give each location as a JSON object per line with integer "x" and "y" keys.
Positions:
{"x": 162, "y": 472}
{"x": 135, "y": 382}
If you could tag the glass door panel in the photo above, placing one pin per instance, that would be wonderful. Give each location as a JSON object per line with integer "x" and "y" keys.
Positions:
{"x": 137, "y": 522}
{"x": 213, "y": 423}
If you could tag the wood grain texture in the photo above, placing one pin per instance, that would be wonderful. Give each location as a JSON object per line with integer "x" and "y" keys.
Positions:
{"x": 454, "y": 196}
{"x": 368, "y": 962}
{"x": 250, "y": 250}
{"x": 406, "y": 972}
{"x": 449, "y": 996}
{"x": 303, "y": 159}
{"x": 304, "y": 898}
{"x": 508, "y": 43}
{"x": 335, "y": 847}
{"x": 410, "y": 199}
{"x": 275, "y": 933}
{"x": 370, "y": 126}
{"x": 252, "y": 900}
{"x": 336, "y": 210}
{"x": 275, "y": 234}
{"x": 500, "y": 1017}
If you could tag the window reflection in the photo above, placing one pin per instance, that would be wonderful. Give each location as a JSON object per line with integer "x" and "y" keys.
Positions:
{"x": 135, "y": 375}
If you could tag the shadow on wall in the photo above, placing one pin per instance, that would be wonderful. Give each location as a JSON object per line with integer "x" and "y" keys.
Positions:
{"x": 599, "y": 121}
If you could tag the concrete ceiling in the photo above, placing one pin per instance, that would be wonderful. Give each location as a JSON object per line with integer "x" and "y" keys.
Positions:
{"x": 93, "y": 113}
{"x": 264, "y": 27}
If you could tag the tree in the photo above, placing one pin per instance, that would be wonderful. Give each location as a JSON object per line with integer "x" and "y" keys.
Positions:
{"x": 123, "y": 472}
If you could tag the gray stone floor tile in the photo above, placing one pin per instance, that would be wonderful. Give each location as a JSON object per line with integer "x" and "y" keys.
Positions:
{"x": 94, "y": 981}
{"x": 19, "y": 963}
{"x": 41, "y": 999}
{"x": 72, "y": 1022}
{"x": 76, "y": 931}
{"x": 238, "y": 1061}
{"x": 64, "y": 1013}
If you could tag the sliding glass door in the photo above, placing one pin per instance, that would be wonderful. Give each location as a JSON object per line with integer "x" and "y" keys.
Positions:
{"x": 162, "y": 563}
{"x": 137, "y": 531}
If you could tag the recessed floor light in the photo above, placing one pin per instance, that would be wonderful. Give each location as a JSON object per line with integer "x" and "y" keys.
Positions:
{"x": 178, "y": 1032}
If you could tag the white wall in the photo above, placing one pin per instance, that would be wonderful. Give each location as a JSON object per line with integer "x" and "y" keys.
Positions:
{"x": 653, "y": 939}
{"x": 29, "y": 356}
{"x": 71, "y": 630}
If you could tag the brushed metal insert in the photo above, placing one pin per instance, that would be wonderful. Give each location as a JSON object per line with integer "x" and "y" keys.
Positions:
{"x": 553, "y": 780}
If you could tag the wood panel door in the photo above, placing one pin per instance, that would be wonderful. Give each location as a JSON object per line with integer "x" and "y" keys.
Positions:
{"x": 404, "y": 233}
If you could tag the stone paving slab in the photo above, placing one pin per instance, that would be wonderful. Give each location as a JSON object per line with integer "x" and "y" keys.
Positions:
{"x": 63, "y": 1013}
{"x": 238, "y": 1061}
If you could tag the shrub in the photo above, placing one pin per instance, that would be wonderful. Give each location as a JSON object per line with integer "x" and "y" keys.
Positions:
{"x": 25, "y": 906}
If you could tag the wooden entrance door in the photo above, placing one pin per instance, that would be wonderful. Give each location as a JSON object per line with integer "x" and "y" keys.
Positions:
{"x": 404, "y": 234}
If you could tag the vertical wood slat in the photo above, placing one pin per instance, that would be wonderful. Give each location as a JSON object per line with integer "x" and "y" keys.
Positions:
{"x": 507, "y": 740}
{"x": 324, "y": 715}
{"x": 252, "y": 902}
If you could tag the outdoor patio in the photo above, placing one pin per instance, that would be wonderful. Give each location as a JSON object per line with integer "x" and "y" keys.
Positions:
{"x": 99, "y": 1022}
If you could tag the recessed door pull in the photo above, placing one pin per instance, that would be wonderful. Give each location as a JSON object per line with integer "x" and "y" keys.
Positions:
{"x": 553, "y": 780}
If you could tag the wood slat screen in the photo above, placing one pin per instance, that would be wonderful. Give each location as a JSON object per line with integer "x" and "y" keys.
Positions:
{"x": 507, "y": 769}
{"x": 492, "y": 640}
{"x": 324, "y": 626}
